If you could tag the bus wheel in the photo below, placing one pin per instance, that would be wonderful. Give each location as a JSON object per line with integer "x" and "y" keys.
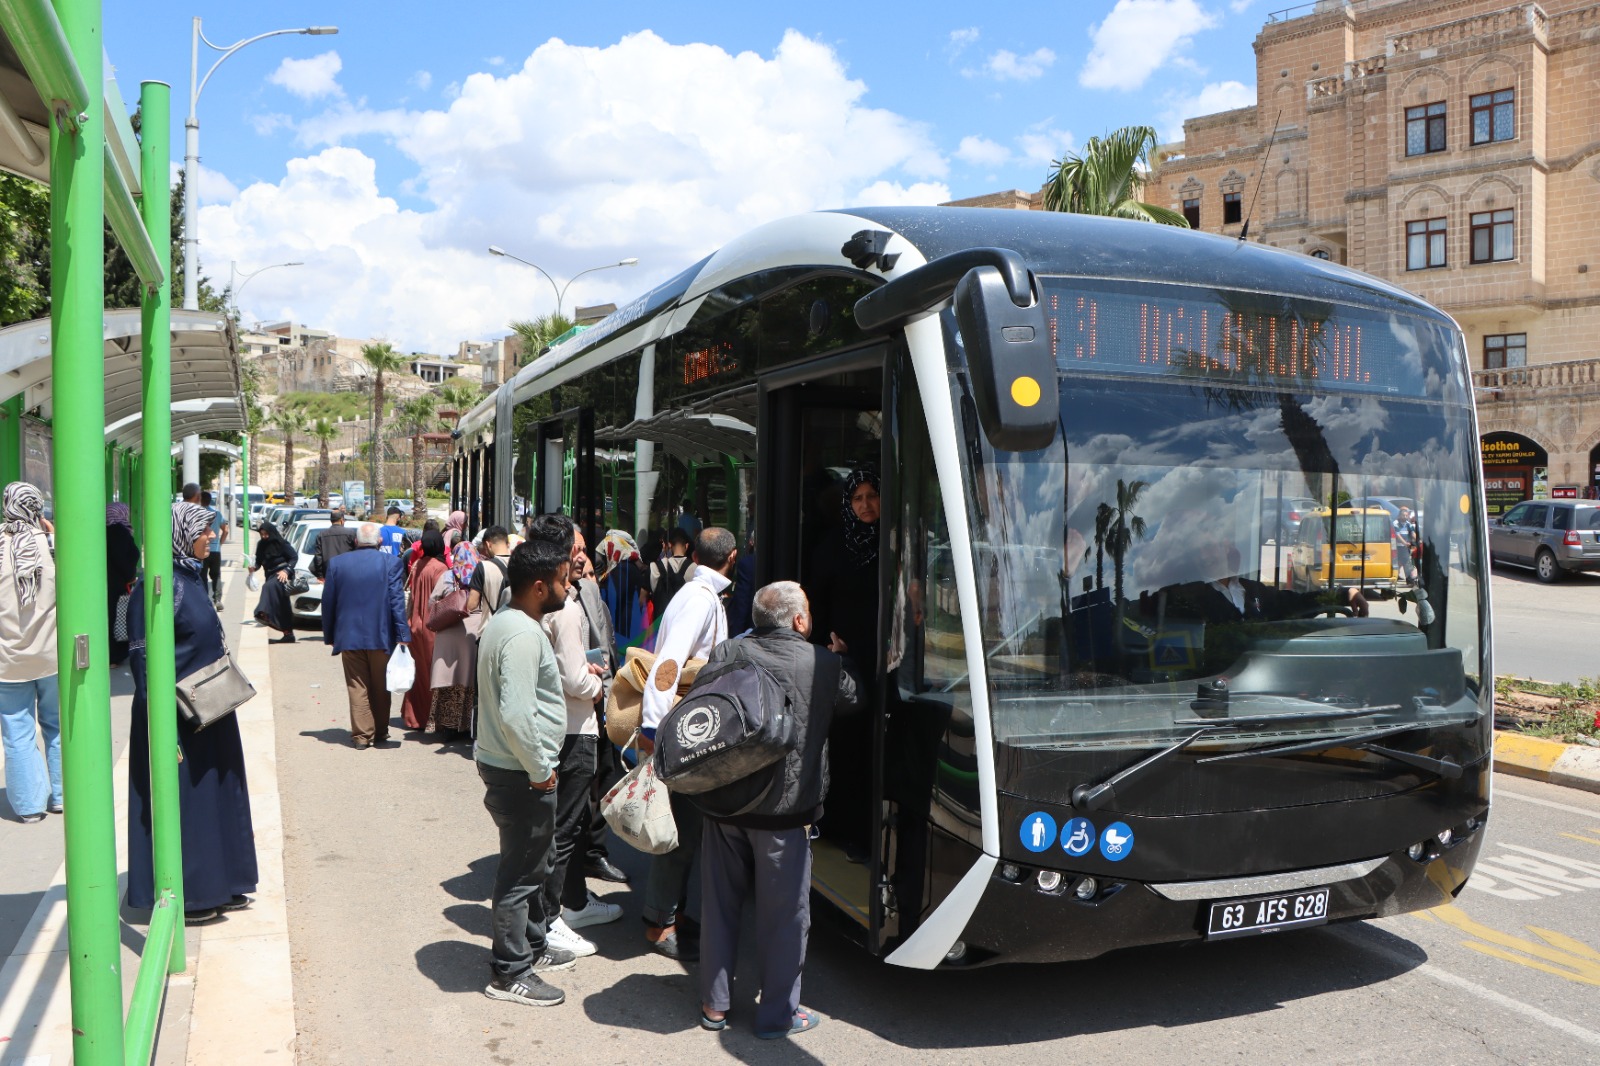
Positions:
{"x": 1546, "y": 568}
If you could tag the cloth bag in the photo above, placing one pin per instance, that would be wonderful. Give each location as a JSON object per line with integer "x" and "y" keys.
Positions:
{"x": 448, "y": 606}
{"x": 624, "y": 703}
{"x": 402, "y": 671}
{"x": 638, "y": 810}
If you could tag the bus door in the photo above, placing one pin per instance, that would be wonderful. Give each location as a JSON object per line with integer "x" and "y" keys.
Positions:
{"x": 821, "y": 429}
{"x": 566, "y": 480}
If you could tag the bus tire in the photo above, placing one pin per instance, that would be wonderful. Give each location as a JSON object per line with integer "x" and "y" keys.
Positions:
{"x": 1545, "y": 567}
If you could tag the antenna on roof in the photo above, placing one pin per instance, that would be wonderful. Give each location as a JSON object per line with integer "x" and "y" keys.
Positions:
{"x": 1245, "y": 231}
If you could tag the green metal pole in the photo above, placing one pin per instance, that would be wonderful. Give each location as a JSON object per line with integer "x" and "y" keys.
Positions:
{"x": 77, "y": 292}
{"x": 156, "y": 370}
{"x": 11, "y": 440}
{"x": 244, "y": 518}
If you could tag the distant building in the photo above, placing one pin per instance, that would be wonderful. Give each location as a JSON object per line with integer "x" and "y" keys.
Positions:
{"x": 434, "y": 369}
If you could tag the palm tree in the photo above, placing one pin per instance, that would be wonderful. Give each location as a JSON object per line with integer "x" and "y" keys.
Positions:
{"x": 539, "y": 332}
{"x": 288, "y": 420}
{"x": 1107, "y": 178}
{"x": 325, "y": 432}
{"x": 1126, "y": 527}
{"x": 1102, "y": 527}
{"x": 454, "y": 394}
{"x": 383, "y": 359}
{"x": 418, "y": 416}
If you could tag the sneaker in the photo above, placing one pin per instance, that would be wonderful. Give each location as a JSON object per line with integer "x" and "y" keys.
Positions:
{"x": 30, "y": 819}
{"x": 529, "y": 990}
{"x": 595, "y": 912}
{"x": 561, "y": 935}
{"x": 54, "y": 807}
{"x": 554, "y": 958}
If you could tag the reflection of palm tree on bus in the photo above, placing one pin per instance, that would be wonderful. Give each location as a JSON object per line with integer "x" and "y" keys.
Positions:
{"x": 1126, "y": 527}
{"x": 1102, "y": 529}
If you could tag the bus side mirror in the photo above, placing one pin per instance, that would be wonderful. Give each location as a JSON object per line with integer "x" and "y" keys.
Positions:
{"x": 1008, "y": 355}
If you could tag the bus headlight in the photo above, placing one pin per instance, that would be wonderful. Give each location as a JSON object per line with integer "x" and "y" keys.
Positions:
{"x": 1417, "y": 851}
{"x": 1445, "y": 837}
{"x": 1086, "y": 889}
{"x": 1049, "y": 880}
{"x": 957, "y": 952}
{"x": 1010, "y": 872}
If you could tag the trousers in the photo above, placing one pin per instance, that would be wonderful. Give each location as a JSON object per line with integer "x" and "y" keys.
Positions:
{"x": 666, "y": 890}
{"x": 566, "y": 886}
{"x": 28, "y": 708}
{"x": 774, "y": 866}
{"x": 366, "y": 684}
{"x": 526, "y": 819}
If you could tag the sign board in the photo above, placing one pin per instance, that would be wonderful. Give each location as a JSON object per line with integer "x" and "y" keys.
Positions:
{"x": 1564, "y": 492}
{"x": 355, "y": 497}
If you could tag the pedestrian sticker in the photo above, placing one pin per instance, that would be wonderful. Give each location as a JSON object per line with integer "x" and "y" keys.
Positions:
{"x": 1116, "y": 843}
{"x": 1038, "y": 831}
{"x": 1077, "y": 837}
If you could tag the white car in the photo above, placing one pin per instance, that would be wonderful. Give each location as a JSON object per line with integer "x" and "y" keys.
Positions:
{"x": 307, "y": 605}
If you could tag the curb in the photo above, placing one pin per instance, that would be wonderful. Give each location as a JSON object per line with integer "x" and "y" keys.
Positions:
{"x": 1571, "y": 765}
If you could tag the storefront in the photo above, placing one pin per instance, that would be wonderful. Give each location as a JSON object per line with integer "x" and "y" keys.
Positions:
{"x": 1515, "y": 468}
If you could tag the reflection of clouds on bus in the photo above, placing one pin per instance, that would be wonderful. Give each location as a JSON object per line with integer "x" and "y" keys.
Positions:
{"x": 1195, "y": 507}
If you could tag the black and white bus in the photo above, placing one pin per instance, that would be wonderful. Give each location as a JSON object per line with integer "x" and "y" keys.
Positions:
{"x": 1101, "y": 717}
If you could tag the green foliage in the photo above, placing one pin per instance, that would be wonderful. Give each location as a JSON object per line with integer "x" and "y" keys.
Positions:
{"x": 1573, "y": 716}
{"x": 537, "y": 333}
{"x": 24, "y": 249}
{"x": 334, "y": 406}
{"x": 1107, "y": 178}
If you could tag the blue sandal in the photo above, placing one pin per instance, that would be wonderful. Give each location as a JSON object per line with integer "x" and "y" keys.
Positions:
{"x": 803, "y": 1020}
{"x": 715, "y": 1025}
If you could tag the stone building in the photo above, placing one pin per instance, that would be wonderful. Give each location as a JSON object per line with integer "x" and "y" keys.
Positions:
{"x": 1452, "y": 148}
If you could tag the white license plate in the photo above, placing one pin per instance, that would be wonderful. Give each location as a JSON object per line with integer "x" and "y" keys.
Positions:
{"x": 1267, "y": 914}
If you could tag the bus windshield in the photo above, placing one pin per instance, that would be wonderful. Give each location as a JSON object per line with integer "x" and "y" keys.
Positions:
{"x": 1156, "y": 545}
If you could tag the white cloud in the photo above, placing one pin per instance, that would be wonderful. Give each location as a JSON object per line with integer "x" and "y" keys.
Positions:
{"x": 496, "y": 61}
{"x": 1044, "y": 144}
{"x": 579, "y": 156}
{"x": 982, "y": 152}
{"x": 311, "y": 78}
{"x": 1218, "y": 96}
{"x": 1237, "y": 6}
{"x": 1006, "y": 65}
{"x": 422, "y": 79}
{"x": 214, "y": 186}
{"x": 1137, "y": 38}
{"x": 961, "y": 39}
{"x": 267, "y": 125}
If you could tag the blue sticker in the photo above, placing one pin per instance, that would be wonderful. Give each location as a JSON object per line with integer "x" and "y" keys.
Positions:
{"x": 1038, "y": 831}
{"x": 1077, "y": 837}
{"x": 1116, "y": 843}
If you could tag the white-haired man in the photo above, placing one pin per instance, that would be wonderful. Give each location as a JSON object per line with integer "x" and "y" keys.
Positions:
{"x": 364, "y": 617}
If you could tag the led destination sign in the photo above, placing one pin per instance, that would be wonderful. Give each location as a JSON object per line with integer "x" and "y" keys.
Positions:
{"x": 1242, "y": 339}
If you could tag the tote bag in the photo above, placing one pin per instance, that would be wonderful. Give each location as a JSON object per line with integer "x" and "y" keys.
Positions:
{"x": 639, "y": 811}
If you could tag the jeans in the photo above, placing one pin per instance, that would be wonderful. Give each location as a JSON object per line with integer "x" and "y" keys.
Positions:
{"x": 32, "y": 780}
{"x": 213, "y": 573}
{"x": 666, "y": 891}
{"x": 526, "y": 819}
{"x": 566, "y": 886}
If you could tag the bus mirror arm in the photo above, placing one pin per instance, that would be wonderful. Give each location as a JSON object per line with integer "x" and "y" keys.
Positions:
{"x": 1093, "y": 797}
{"x": 933, "y": 283}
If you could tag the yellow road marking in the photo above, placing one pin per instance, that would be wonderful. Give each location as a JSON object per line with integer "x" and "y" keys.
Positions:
{"x": 1554, "y": 953}
{"x": 1586, "y": 840}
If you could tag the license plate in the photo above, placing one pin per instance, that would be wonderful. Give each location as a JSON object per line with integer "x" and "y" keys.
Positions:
{"x": 1267, "y": 914}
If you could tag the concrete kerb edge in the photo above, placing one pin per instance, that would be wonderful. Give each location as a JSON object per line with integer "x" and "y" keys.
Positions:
{"x": 1570, "y": 765}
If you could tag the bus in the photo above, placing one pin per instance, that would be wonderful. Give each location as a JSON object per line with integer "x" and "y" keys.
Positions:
{"x": 1100, "y": 717}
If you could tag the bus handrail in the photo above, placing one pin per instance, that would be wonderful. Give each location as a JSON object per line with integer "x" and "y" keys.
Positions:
{"x": 932, "y": 283}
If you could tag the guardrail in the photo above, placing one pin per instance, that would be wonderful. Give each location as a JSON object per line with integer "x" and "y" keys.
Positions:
{"x": 1567, "y": 374}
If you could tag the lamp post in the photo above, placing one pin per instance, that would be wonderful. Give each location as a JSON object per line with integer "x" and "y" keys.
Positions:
{"x": 233, "y": 271}
{"x": 561, "y": 290}
{"x": 191, "y": 146}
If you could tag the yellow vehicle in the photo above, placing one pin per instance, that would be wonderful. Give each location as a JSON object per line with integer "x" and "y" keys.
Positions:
{"x": 277, "y": 497}
{"x": 1358, "y": 542}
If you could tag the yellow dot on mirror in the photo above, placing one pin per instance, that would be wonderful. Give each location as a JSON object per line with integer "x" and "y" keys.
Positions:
{"x": 1025, "y": 391}
{"x": 1466, "y": 504}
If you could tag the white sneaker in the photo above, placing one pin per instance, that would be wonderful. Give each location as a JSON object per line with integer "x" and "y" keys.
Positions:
{"x": 562, "y": 936}
{"x": 595, "y": 912}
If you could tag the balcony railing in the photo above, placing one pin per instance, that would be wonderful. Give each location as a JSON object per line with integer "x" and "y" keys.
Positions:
{"x": 1575, "y": 373}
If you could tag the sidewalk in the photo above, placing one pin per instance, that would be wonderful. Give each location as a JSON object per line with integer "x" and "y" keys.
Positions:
{"x": 1572, "y": 765}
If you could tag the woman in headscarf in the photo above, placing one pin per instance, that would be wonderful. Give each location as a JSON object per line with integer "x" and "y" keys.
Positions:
{"x": 455, "y": 529}
{"x": 454, "y": 650}
{"x": 625, "y": 588}
{"x": 219, "y": 849}
{"x": 276, "y": 559}
{"x": 424, "y": 576}
{"x": 843, "y": 586}
{"x": 122, "y": 568}
{"x": 29, "y": 696}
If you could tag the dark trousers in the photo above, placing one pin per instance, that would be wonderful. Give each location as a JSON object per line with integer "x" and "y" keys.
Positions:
{"x": 775, "y": 867}
{"x": 666, "y": 890}
{"x": 366, "y": 684}
{"x": 526, "y": 819}
{"x": 566, "y": 886}
{"x": 607, "y": 772}
{"x": 213, "y": 573}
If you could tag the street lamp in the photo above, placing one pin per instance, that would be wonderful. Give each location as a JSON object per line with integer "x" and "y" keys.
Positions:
{"x": 561, "y": 290}
{"x": 191, "y": 147}
{"x": 233, "y": 271}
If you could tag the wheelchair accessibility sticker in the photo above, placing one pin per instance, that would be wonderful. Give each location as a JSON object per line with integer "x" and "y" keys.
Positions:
{"x": 1038, "y": 831}
{"x": 1077, "y": 837}
{"x": 1116, "y": 843}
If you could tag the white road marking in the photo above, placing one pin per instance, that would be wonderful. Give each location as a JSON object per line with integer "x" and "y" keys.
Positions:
{"x": 1498, "y": 792}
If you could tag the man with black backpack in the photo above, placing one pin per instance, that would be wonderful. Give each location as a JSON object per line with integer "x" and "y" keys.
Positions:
{"x": 667, "y": 575}
{"x": 766, "y": 850}
{"x": 488, "y": 587}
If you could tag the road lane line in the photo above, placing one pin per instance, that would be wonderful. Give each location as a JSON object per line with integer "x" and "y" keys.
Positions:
{"x": 1428, "y": 969}
{"x": 1498, "y": 792}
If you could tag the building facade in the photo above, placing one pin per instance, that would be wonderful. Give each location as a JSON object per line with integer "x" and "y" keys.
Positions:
{"x": 1451, "y": 147}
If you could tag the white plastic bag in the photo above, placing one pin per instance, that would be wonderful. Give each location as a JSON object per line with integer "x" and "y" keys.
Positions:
{"x": 252, "y": 581}
{"x": 402, "y": 672}
{"x": 639, "y": 811}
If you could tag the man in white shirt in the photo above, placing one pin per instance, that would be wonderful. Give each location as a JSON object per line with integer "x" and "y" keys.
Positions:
{"x": 695, "y": 623}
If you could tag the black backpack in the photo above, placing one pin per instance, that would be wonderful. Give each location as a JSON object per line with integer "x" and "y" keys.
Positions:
{"x": 671, "y": 579}
{"x": 733, "y": 723}
{"x": 504, "y": 596}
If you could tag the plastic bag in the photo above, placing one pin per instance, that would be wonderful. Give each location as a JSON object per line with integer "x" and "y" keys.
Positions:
{"x": 639, "y": 811}
{"x": 402, "y": 672}
{"x": 252, "y": 581}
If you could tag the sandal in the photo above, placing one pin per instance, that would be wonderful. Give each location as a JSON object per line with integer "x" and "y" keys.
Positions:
{"x": 803, "y": 1020}
{"x": 715, "y": 1025}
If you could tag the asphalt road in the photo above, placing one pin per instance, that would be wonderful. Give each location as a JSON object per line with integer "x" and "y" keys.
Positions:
{"x": 1548, "y": 632}
{"x": 389, "y": 855}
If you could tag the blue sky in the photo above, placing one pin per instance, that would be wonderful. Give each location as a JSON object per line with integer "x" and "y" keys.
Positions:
{"x": 388, "y": 156}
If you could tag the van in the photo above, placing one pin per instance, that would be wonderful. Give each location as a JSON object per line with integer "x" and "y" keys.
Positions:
{"x": 1357, "y": 542}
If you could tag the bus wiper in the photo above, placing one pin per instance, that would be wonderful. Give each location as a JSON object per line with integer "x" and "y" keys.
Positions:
{"x": 1093, "y": 797}
{"x": 1445, "y": 768}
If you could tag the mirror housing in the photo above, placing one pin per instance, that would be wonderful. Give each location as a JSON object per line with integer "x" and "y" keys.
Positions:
{"x": 1012, "y": 369}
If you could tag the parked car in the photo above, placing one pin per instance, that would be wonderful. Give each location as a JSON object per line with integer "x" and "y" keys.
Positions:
{"x": 1358, "y": 543}
{"x": 1553, "y": 537}
{"x": 307, "y": 605}
{"x": 1282, "y": 518}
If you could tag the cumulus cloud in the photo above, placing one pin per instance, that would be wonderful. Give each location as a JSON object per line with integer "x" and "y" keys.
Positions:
{"x": 422, "y": 79}
{"x": 579, "y": 156}
{"x": 961, "y": 39}
{"x": 311, "y": 78}
{"x": 1237, "y": 6}
{"x": 1137, "y": 38}
{"x": 1043, "y": 143}
{"x": 1218, "y": 96}
{"x": 982, "y": 152}
{"x": 1006, "y": 65}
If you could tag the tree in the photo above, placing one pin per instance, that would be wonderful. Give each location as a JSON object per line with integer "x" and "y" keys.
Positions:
{"x": 383, "y": 359}
{"x": 537, "y": 333}
{"x": 1107, "y": 178}
{"x": 1102, "y": 528}
{"x": 288, "y": 420}
{"x": 325, "y": 432}
{"x": 1126, "y": 527}
{"x": 418, "y": 416}
{"x": 455, "y": 394}
{"x": 24, "y": 249}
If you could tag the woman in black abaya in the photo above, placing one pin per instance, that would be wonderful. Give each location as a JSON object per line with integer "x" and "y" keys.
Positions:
{"x": 276, "y": 559}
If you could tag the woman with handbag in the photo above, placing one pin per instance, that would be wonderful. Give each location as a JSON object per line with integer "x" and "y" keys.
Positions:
{"x": 277, "y": 560}
{"x": 454, "y": 649}
{"x": 122, "y": 569}
{"x": 219, "y": 848}
{"x": 424, "y": 577}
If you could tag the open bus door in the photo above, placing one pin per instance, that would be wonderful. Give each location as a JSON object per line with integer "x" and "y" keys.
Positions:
{"x": 566, "y": 480}
{"x": 817, "y": 424}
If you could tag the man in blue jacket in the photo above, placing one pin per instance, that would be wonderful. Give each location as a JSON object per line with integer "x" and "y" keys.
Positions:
{"x": 364, "y": 617}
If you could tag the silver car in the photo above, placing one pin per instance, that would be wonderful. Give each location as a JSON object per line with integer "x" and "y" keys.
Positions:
{"x": 1553, "y": 537}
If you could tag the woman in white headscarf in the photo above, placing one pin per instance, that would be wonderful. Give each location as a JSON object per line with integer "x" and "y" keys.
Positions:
{"x": 29, "y": 697}
{"x": 219, "y": 848}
